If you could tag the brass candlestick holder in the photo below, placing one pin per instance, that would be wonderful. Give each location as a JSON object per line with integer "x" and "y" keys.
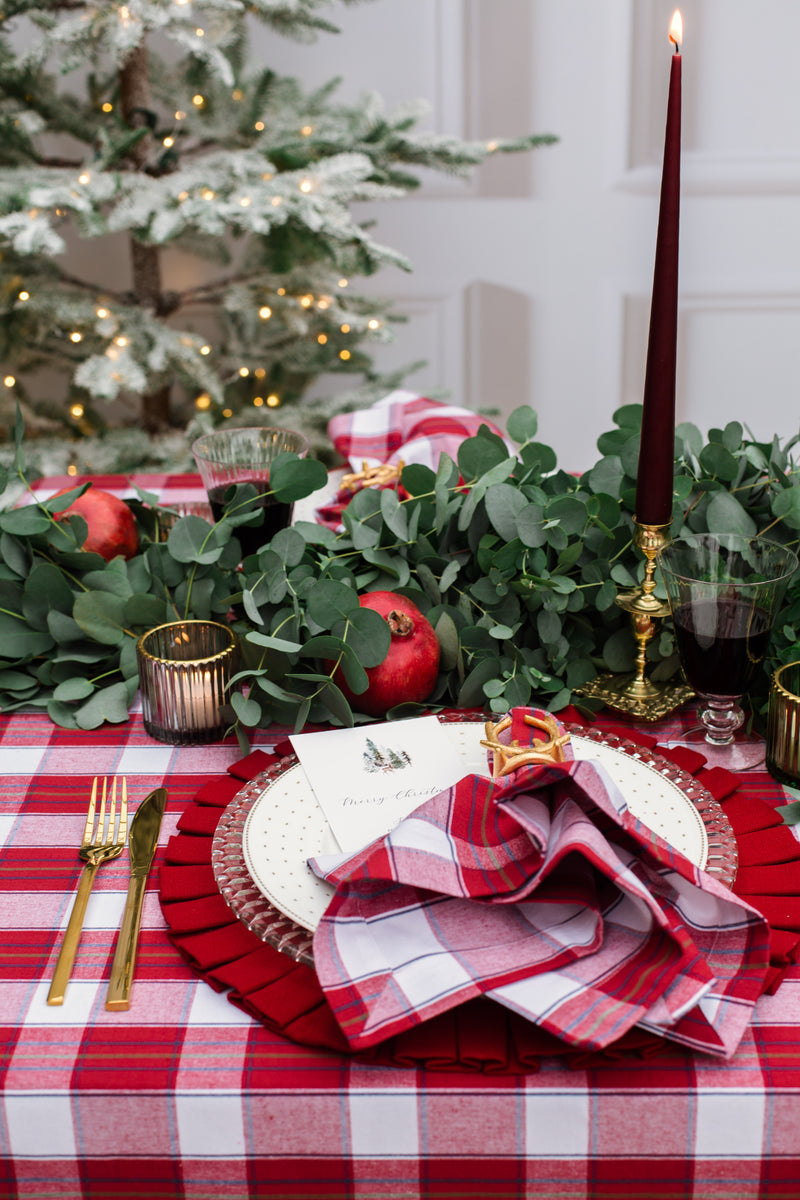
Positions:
{"x": 635, "y": 694}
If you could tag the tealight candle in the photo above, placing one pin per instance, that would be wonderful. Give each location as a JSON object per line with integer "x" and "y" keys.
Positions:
{"x": 185, "y": 669}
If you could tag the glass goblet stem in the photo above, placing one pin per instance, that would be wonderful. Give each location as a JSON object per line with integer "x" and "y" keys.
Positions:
{"x": 721, "y": 718}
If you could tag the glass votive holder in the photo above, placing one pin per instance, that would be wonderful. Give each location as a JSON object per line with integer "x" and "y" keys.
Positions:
{"x": 783, "y": 725}
{"x": 184, "y": 671}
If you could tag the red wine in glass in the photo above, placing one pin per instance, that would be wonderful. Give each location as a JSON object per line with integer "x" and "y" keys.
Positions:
{"x": 277, "y": 514}
{"x": 721, "y": 644}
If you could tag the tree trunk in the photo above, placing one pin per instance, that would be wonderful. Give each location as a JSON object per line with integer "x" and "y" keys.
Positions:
{"x": 136, "y": 102}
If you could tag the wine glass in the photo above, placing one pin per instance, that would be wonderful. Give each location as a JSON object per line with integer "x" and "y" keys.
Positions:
{"x": 724, "y": 593}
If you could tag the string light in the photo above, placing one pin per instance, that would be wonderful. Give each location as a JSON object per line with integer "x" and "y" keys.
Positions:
{"x": 323, "y": 304}
{"x": 237, "y": 94}
{"x": 199, "y": 32}
{"x": 258, "y": 401}
{"x": 259, "y": 125}
{"x": 273, "y": 401}
{"x": 373, "y": 324}
{"x": 197, "y": 101}
{"x": 322, "y": 338}
{"x": 84, "y": 177}
{"x": 307, "y": 130}
{"x": 107, "y": 107}
{"x": 203, "y": 401}
{"x": 76, "y": 411}
{"x": 306, "y": 185}
{"x": 113, "y": 353}
{"x": 281, "y": 291}
{"x": 205, "y": 349}
{"x": 72, "y": 469}
{"x": 124, "y": 14}
{"x": 344, "y": 354}
{"x": 491, "y": 146}
{"x": 227, "y": 412}
{"x": 121, "y": 341}
{"x": 102, "y": 313}
{"x": 244, "y": 372}
{"x": 75, "y": 336}
{"x": 169, "y": 141}
{"x": 207, "y": 194}
{"x": 343, "y": 282}
{"x": 180, "y": 115}
{"x": 266, "y": 175}
{"x": 265, "y": 312}
{"x": 9, "y": 381}
{"x": 276, "y": 200}
{"x": 23, "y": 296}
{"x": 259, "y": 372}
{"x": 182, "y": 196}
{"x": 345, "y": 328}
{"x": 245, "y": 201}
{"x": 306, "y": 301}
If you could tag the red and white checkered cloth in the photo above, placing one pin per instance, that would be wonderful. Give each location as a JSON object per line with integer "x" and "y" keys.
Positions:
{"x": 402, "y": 427}
{"x": 542, "y": 891}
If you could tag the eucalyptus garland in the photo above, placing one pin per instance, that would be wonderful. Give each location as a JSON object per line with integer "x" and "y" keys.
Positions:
{"x": 515, "y": 562}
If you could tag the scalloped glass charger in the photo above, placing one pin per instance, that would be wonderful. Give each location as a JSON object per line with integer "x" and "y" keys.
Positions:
{"x": 274, "y": 824}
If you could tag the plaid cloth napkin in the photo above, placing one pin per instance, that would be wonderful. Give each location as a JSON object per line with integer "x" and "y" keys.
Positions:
{"x": 541, "y": 891}
{"x": 402, "y": 426}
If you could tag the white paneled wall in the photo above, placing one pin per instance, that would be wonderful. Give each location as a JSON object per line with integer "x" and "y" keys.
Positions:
{"x": 532, "y": 285}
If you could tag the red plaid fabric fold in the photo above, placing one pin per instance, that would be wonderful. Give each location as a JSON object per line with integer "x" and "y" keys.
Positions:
{"x": 541, "y": 891}
{"x": 402, "y": 426}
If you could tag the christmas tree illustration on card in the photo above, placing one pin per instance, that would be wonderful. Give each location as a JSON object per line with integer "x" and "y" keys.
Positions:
{"x": 384, "y": 758}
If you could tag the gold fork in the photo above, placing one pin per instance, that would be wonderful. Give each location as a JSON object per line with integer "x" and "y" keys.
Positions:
{"x": 101, "y": 842}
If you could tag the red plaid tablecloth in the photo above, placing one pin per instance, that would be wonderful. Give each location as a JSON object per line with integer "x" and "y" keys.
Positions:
{"x": 186, "y": 1095}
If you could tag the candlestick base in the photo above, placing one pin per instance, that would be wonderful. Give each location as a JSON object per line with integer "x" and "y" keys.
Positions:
{"x": 635, "y": 694}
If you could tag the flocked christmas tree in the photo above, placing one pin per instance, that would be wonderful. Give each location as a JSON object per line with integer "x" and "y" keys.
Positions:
{"x": 174, "y": 145}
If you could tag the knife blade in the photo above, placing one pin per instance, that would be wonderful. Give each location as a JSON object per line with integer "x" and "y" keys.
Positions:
{"x": 142, "y": 844}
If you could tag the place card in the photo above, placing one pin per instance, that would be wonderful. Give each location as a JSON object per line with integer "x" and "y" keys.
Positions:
{"x": 367, "y": 779}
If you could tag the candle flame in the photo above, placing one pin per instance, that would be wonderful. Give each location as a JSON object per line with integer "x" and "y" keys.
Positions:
{"x": 676, "y": 29}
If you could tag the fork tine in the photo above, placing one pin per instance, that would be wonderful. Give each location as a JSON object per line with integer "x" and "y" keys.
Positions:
{"x": 107, "y": 834}
{"x": 122, "y": 836}
{"x": 87, "y": 832}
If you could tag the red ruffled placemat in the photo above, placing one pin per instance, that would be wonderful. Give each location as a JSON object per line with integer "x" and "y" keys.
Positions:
{"x": 479, "y": 1035}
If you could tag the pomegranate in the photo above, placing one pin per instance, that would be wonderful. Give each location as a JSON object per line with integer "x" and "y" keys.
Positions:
{"x": 409, "y": 671}
{"x": 112, "y": 529}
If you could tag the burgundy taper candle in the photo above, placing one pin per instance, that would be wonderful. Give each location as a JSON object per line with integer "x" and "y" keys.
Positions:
{"x": 657, "y": 449}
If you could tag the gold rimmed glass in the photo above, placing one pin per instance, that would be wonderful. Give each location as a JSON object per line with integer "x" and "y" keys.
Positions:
{"x": 185, "y": 669}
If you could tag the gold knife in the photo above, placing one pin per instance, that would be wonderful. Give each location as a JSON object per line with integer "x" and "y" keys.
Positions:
{"x": 141, "y": 848}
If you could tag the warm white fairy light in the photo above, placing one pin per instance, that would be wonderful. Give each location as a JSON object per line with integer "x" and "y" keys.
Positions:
{"x": 168, "y": 141}
{"x": 203, "y": 401}
{"x": 344, "y": 354}
{"x": 199, "y": 32}
{"x": 237, "y": 94}
{"x": 307, "y": 130}
{"x": 124, "y": 14}
{"x": 343, "y": 282}
{"x": 76, "y": 411}
{"x": 276, "y": 200}
{"x": 491, "y": 147}
{"x": 323, "y": 303}
{"x": 258, "y": 401}
{"x": 306, "y": 185}
{"x": 207, "y": 194}
{"x": 9, "y": 381}
{"x": 322, "y": 338}
{"x": 227, "y": 412}
{"x": 244, "y": 372}
{"x": 113, "y": 353}
{"x": 197, "y": 100}
{"x": 102, "y": 313}
{"x": 72, "y": 469}
{"x": 180, "y": 115}
{"x": 259, "y": 125}
{"x": 259, "y": 373}
{"x": 75, "y": 336}
{"x": 345, "y": 328}
{"x": 84, "y": 177}
{"x": 107, "y": 107}
{"x": 121, "y": 341}
{"x": 306, "y": 301}
{"x": 373, "y": 323}
{"x": 265, "y": 312}
{"x": 23, "y": 296}
{"x": 273, "y": 401}
{"x": 245, "y": 201}
{"x": 205, "y": 349}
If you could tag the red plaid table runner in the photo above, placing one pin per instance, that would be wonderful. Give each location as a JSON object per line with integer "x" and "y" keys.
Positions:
{"x": 543, "y": 892}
